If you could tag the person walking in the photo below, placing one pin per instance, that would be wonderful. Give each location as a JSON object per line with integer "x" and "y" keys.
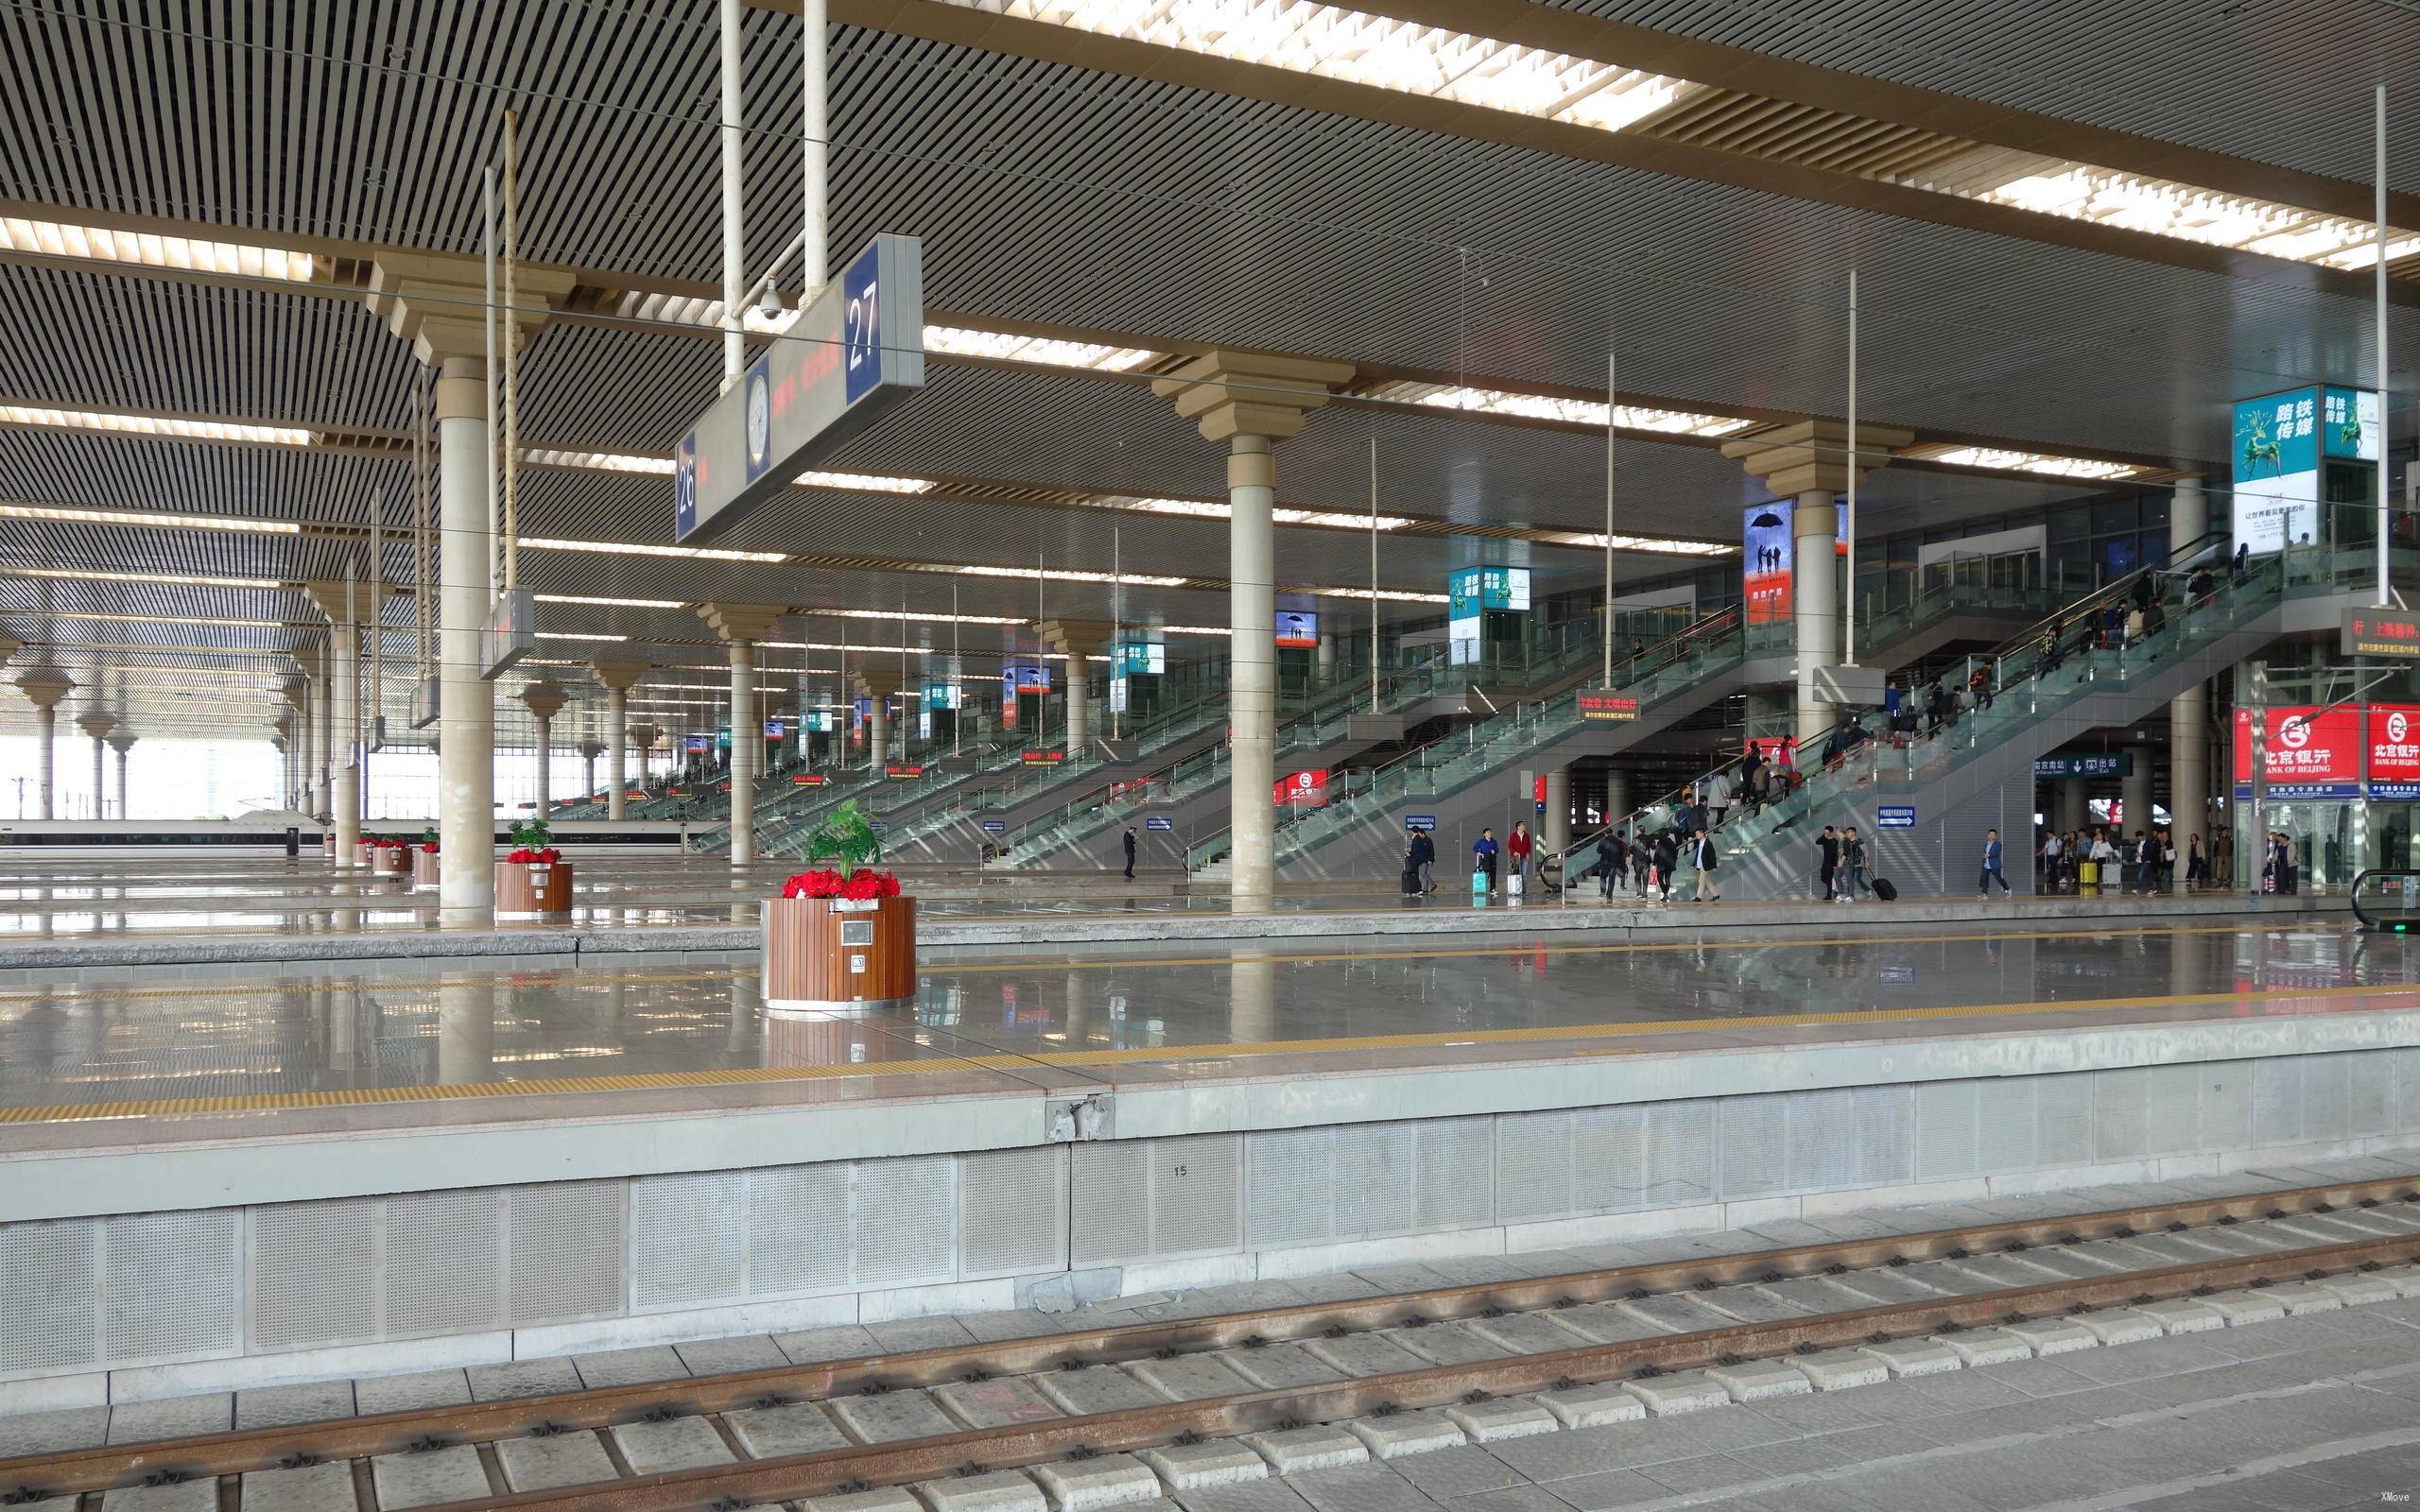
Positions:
{"x": 1424, "y": 859}
{"x": 2196, "y": 866}
{"x": 1980, "y": 686}
{"x": 1852, "y": 873}
{"x": 2166, "y": 841}
{"x": 1130, "y": 852}
{"x": 1827, "y": 861}
{"x": 1718, "y": 798}
{"x": 1702, "y": 860}
{"x": 2242, "y": 560}
{"x": 2049, "y": 861}
{"x": 2146, "y": 877}
{"x": 1483, "y": 859}
{"x": 1667, "y": 856}
{"x": 1611, "y": 860}
{"x": 1517, "y": 848}
{"x": 1992, "y": 872}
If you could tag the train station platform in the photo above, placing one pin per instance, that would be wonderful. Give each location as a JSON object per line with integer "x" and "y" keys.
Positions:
{"x": 388, "y": 1165}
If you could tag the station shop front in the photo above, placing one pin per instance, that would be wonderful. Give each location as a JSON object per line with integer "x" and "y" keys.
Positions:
{"x": 2343, "y": 784}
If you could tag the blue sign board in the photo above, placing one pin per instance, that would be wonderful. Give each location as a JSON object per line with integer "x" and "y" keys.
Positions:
{"x": 2108, "y": 764}
{"x": 1895, "y": 816}
{"x": 1158, "y": 824}
{"x": 853, "y": 352}
{"x": 1419, "y": 821}
{"x": 2398, "y": 792}
{"x": 995, "y": 826}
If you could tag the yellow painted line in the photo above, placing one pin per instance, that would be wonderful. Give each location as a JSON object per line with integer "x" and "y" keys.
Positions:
{"x": 1080, "y": 1059}
{"x": 596, "y": 977}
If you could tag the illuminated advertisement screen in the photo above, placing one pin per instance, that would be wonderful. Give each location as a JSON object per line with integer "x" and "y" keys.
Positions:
{"x": 1767, "y": 561}
{"x": 2276, "y": 470}
{"x": 1297, "y": 630}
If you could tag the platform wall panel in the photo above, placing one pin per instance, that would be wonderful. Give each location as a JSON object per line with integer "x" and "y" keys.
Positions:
{"x": 682, "y": 1255}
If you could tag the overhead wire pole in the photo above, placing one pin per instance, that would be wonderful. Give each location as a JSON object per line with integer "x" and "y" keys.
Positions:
{"x": 511, "y": 350}
{"x": 487, "y": 372}
{"x": 1607, "y": 628}
{"x": 735, "y": 236}
{"x": 2385, "y": 373}
{"x": 1374, "y": 575}
{"x": 1848, "y": 614}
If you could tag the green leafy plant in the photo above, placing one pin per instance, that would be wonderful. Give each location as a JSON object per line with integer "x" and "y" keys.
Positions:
{"x": 527, "y": 835}
{"x": 846, "y": 838}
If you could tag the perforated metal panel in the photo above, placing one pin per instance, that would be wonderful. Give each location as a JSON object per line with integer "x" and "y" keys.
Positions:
{"x": 2008, "y": 1124}
{"x": 688, "y": 1245}
{"x": 49, "y": 1304}
{"x": 2277, "y": 1100}
{"x": 2065, "y": 1104}
{"x": 1882, "y": 1123}
{"x": 1545, "y": 1160}
{"x": 1947, "y": 1113}
{"x": 1111, "y": 1200}
{"x": 2120, "y": 1117}
{"x": 2171, "y": 1109}
{"x": 2326, "y": 1100}
{"x": 315, "y": 1272}
{"x": 2368, "y": 1090}
{"x": 1818, "y": 1128}
{"x": 1197, "y": 1196}
{"x": 1013, "y": 1211}
{"x": 906, "y": 1220}
{"x": 1682, "y": 1158}
{"x": 172, "y": 1286}
{"x": 1755, "y": 1147}
{"x": 2225, "y": 1104}
{"x": 1376, "y": 1168}
{"x": 1456, "y": 1157}
{"x": 444, "y": 1262}
{"x": 1292, "y": 1179}
{"x": 798, "y": 1228}
{"x": 565, "y": 1256}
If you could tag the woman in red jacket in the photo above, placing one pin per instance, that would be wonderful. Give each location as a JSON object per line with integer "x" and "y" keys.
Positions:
{"x": 1517, "y": 848}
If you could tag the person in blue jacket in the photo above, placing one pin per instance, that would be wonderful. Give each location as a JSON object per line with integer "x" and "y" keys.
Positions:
{"x": 1992, "y": 872}
{"x": 1484, "y": 857}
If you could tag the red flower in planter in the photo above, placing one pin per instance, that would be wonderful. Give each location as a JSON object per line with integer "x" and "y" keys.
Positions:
{"x": 428, "y": 847}
{"x": 859, "y": 887}
{"x": 524, "y": 856}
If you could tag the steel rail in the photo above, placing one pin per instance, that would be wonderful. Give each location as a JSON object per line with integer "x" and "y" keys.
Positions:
{"x": 229, "y": 1453}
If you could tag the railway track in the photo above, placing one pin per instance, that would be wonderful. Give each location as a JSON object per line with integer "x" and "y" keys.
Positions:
{"x": 1406, "y": 1371}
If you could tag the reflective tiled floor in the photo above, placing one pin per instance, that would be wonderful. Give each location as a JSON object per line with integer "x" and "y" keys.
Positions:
{"x": 1130, "y": 1013}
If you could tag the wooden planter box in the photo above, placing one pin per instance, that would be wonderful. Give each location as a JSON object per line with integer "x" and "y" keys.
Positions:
{"x": 364, "y": 855}
{"x": 389, "y": 862}
{"x": 830, "y": 955}
{"x": 526, "y": 890}
{"x": 328, "y": 846}
{"x": 423, "y": 869}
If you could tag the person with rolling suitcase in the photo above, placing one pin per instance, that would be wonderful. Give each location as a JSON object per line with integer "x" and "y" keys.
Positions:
{"x": 1483, "y": 864}
{"x": 1851, "y": 877}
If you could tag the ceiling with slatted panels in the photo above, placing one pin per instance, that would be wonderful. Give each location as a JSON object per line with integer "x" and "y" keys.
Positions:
{"x": 1056, "y": 196}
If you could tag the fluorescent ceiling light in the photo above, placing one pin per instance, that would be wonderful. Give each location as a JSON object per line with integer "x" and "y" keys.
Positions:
{"x": 1590, "y": 412}
{"x": 181, "y": 619}
{"x": 1595, "y": 539}
{"x": 956, "y": 341}
{"x": 54, "y": 239}
{"x": 2059, "y": 467}
{"x": 598, "y": 461}
{"x": 864, "y": 482}
{"x": 637, "y": 548}
{"x": 1063, "y": 575}
{"x": 576, "y": 635}
{"x": 897, "y": 617}
{"x": 1390, "y": 595}
{"x": 201, "y": 430}
{"x": 1360, "y": 48}
{"x": 610, "y": 603}
{"x": 1212, "y": 509}
{"x": 74, "y": 575}
{"x": 2160, "y": 207}
{"x": 142, "y": 518}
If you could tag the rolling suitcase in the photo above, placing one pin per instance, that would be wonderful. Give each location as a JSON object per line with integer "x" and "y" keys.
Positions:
{"x": 1886, "y": 889}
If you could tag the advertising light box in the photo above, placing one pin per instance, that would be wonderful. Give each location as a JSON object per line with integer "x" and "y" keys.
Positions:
{"x": 1768, "y": 561}
{"x": 2311, "y": 754}
{"x": 2276, "y": 468}
{"x": 1148, "y": 658}
{"x": 1304, "y": 790}
{"x": 1297, "y": 630}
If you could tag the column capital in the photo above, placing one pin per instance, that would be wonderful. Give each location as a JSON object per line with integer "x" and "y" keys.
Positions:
{"x": 122, "y": 741}
{"x": 98, "y": 726}
{"x": 1810, "y": 456}
{"x": 620, "y": 676}
{"x": 296, "y": 691}
{"x": 9, "y": 645}
{"x": 544, "y": 699}
{"x": 740, "y": 623}
{"x": 641, "y": 733}
{"x": 591, "y": 748}
{"x": 328, "y": 598}
{"x": 880, "y": 684}
{"x": 1075, "y": 638}
{"x": 433, "y": 299}
{"x": 1232, "y": 393}
{"x": 45, "y": 686}
{"x": 284, "y": 724}
{"x": 311, "y": 660}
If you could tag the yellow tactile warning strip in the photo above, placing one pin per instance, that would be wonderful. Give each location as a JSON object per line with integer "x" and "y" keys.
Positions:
{"x": 594, "y": 976}
{"x": 1081, "y": 1059}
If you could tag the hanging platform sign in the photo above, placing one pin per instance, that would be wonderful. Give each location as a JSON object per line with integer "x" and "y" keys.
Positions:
{"x": 852, "y": 355}
{"x": 510, "y": 634}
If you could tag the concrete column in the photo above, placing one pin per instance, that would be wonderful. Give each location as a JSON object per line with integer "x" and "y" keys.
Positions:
{"x": 324, "y": 725}
{"x": 44, "y": 687}
{"x": 121, "y": 743}
{"x": 1555, "y": 834}
{"x": 2189, "y": 712}
{"x": 589, "y": 750}
{"x": 99, "y": 728}
{"x": 878, "y": 730}
{"x": 618, "y": 678}
{"x": 344, "y": 662}
{"x": 544, "y": 702}
{"x": 741, "y": 625}
{"x": 1326, "y": 658}
{"x": 1815, "y": 604}
{"x": 465, "y": 700}
{"x": 1076, "y": 641}
{"x": 1247, "y": 401}
{"x": 1617, "y": 795}
{"x": 2134, "y": 792}
{"x": 642, "y": 743}
{"x": 1251, "y": 677}
{"x": 2075, "y": 805}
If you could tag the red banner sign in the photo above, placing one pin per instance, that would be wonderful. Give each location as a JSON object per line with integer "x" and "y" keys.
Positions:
{"x": 808, "y": 780}
{"x": 1304, "y": 790}
{"x": 1594, "y": 705}
{"x": 2305, "y": 744}
{"x": 2394, "y": 742}
{"x": 1044, "y": 758}
{"x": 902, "y": 774}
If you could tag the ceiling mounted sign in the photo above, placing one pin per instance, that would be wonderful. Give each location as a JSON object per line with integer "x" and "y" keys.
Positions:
{"x": 853, "y": 355}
